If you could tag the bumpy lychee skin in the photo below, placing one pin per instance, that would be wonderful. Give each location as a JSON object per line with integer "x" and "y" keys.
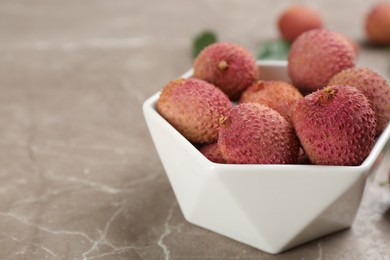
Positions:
{"x": 228, "y": 66}
{"x": 255, "y": 134}
{"x": 377, "y": 24}
{"x": 373, "y": 86}
{"x": 211, "y": 152}
{"x": 298, "y": 19}
{"x": 193, "y": 107}
{"x": 316, "y": 56}
{"x": 278, "y": 95}
{"x": 335, "y": 125}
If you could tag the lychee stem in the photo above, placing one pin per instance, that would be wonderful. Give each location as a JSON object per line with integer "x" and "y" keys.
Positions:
{"x": 178, "y": 81}
{"x": 327, "y": 96}
{"x": 222, "y": 65}
{"x": 329, "y": 91}
{"x": 260, "y": 84}
{"x": 384, "y": 183}
{"x": 223, "y": 120}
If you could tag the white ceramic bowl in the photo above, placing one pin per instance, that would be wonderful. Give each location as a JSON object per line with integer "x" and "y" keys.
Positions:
{"x": 270, "y": 207}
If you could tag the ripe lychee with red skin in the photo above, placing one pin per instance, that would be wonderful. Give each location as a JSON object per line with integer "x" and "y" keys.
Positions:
{"x": 193, "y": 107}
{"x": 256, "y": 134}
{"x": 298, "y": 19}
{"x": 316, "y": 56}
{"x": 335, "y": 125}
{"x": 211, "y": 152}
{"x": 377, "y": 24}
{"x": 373, "y": 86}
{"x": 228, "y": 66}
{"x": 278, "y": 95}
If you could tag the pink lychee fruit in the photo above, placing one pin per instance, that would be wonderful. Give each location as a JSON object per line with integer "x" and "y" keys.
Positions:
{"x": 256, "y": 134}
{"x": 278, "y": 95}
{"x": 377, "y": 23}
{"x": 335, "y": 125}
{"x": 298, "y": 19}
{"x": 194, "y": 107}
{"x": 228, "y": 66}
{"x": 373, "y": 86}
{"x": 315, "y": 56}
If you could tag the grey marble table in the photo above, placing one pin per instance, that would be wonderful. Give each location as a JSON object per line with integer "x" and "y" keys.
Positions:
{"x": 79, "y": 175}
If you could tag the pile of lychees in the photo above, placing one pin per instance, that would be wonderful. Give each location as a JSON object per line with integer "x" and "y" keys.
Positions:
{"x": 330, "y": 113}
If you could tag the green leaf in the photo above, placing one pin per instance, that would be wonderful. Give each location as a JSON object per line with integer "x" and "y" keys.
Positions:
{"x": 274, "y": 50}
{"x": 203, "y": 40}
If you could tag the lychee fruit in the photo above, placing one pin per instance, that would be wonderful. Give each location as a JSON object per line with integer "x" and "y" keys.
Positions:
{"x": 278, "y": 95}
{"x": 373, "y": 86}
{"x": 193, "y": 107}
{"x": 335, "y": 126}
{"x": 211, "y": 152}
{"x": 228, "y": 66}
{"x": 315, "y": 56}
{"x": 296, "y": 20}
{"x": 256, "y": 134}
{"x": 377, "y": 24}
